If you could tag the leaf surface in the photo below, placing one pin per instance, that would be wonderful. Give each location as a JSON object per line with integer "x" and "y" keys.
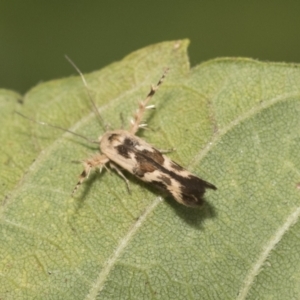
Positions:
{"x": 233, "y": 122}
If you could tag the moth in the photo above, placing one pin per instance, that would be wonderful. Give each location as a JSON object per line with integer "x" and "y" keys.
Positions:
{"x": 123, "y": 149}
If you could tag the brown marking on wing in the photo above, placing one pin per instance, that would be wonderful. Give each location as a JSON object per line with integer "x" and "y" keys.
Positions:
{"x": 159, "y": 185}
{"x": 147, "y": 161}
{"x": 155, "y": 155}
{"x": 165, "y": 179}
{"x": 127, "y": 147}
{"x": 113, "y": 137}
{"x": 123, "y": 151}
{"x": 131, "y": 142}
{"x": 176, "y": 167}
{"x": 144, "y": 165}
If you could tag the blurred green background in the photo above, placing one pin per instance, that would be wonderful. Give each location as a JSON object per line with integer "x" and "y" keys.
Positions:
{"x": 35, "y": 35}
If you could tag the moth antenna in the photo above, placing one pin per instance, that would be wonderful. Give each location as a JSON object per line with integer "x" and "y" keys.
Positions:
{"x": 58, "y": 127}
{"x": 95, "y": 109}
{"x": 122, "y": 121}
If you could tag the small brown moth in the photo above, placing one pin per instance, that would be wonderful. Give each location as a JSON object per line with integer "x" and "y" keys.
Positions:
{"x": 123, "y": 149}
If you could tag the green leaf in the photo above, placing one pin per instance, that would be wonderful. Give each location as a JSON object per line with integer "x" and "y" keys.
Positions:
{"x": 233, "y": 122}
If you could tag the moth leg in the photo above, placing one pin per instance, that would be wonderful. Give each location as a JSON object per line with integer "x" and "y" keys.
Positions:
{"x": 122, "y": 121}
{"x": 114, "y": 167}
{"x": 166, "y": 150}
{"x": 98, "y": 160}
{"x": 137, "y": 118}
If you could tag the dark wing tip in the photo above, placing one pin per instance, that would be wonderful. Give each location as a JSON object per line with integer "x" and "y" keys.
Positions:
{"x": 193, "y": 190}
{"x": 210, "y": 186}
